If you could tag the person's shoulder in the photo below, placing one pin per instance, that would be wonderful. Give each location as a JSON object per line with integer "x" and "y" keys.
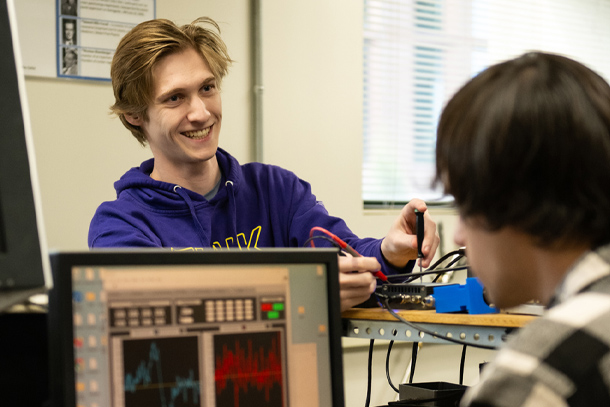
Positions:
{"x": 279, "y": 178}
{"x": 552, "y": 354}
{"x": 124, "y": 203}
{"x": 585, "y": 307}
{"x": 267, "y": 172}
{"x": 269, "y": 168}
{"x": 579, "y": 324}
{"x": 256, "y": 174}
{"x": 230, "y": 163}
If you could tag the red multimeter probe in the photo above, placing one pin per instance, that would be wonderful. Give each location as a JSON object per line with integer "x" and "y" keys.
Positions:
{"x": 345, "y": 247}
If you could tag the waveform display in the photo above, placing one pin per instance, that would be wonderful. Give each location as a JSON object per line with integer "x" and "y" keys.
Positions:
{"x": 249, "y": 370}
{"x": 163, "y": 372}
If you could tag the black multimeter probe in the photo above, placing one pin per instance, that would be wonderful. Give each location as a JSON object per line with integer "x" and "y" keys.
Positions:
{"x": 419, "y": 230}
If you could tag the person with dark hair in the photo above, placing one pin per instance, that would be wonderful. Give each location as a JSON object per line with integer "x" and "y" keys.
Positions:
{"x": 193, "y": 194}
{"x": 524, "y": 148}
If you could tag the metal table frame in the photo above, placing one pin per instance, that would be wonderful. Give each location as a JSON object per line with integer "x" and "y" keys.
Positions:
{"x": 489, "y": 330}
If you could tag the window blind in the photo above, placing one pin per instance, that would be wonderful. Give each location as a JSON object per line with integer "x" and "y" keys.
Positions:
{"x": 417, "y": 53}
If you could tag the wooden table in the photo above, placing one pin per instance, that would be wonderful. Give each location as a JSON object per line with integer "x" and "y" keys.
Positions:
{"x": 488, "y": 330}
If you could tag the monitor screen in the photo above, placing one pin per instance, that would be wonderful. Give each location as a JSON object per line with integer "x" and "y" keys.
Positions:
{"x": 207, "y": 328}
{"x": 23, "y": 260}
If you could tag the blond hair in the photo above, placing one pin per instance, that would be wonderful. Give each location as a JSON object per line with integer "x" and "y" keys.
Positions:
{"x": 139, "y": 51}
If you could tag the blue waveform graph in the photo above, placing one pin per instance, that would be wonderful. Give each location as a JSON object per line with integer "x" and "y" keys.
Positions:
{"x": 161, "y": 372}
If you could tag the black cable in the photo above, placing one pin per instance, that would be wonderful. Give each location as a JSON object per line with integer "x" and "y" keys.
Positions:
{"x": 461, "y": 252}
{"x": 431, "y": 270}
{"x": 332, "y": 242}
{"x": 451, "y": 263}
{"x": 436, "y": 335}
{"x": 370, "y": 374}
{"x": 414, "y": 276}
{"x": 414, "y": 349}
{"x": 462, "y": 363}
{"x": 387, "y": 367}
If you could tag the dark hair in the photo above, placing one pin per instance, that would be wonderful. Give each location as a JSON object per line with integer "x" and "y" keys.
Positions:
{"x": 526, "y": 144}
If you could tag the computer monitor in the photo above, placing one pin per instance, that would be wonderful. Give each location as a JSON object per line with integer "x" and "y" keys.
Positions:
{"x": 213, "y": 328}
{"x": 24, "y": 268}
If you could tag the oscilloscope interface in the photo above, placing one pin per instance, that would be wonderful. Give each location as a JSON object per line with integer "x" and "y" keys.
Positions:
{"x": 175, "y": 341}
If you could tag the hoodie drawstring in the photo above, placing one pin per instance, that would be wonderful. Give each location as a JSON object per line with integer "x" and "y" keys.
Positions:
{"x": 184, "y": 195}
{"x": 232, "y": 205}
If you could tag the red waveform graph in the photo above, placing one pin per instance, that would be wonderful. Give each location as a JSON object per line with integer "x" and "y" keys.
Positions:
{"x": 249, "y": 370}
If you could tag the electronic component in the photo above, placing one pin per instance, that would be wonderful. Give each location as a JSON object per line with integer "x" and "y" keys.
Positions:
{"x": 409, "y": 296}
{"x": 441, "y": 297}
{"x": 459, "y": 298}
{"x": 437, "y": 393}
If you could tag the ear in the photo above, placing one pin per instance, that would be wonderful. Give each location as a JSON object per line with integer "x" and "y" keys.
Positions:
{"x": 134, "y": 119}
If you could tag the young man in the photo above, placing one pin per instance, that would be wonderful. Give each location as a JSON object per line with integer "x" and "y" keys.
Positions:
{"x": 524, "y": 148}
{"x": 166, "y": 82}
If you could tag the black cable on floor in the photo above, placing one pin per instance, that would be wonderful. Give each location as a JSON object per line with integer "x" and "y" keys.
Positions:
{"x": 387, "y": 367}
{"x": 370, "y": 376}
{"x": 413, "y": 360}
{"x": 462, "y": 363}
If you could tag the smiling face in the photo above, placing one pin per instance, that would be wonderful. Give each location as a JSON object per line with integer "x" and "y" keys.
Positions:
{"x": 184, "y": 116}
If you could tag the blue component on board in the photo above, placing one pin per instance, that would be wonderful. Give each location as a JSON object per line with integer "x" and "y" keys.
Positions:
{"x": 462, "y": 298}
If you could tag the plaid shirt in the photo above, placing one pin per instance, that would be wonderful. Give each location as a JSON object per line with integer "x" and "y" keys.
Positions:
{"x": 563, "y": 358}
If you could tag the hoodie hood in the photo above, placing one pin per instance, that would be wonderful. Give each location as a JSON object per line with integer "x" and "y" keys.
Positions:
{"x": 162, "y": 195}
{"x": 164, "y": 209}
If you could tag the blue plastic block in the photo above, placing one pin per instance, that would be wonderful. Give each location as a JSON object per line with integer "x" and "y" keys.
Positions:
{"x": 462, "y": 298}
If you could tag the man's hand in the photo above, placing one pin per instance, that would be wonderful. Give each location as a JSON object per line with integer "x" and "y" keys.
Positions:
{"x": 356, "y": 280}
{"x": 400, "y": 244}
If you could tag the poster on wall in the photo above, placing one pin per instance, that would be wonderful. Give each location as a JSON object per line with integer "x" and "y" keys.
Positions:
{"x": 75, "y": 38}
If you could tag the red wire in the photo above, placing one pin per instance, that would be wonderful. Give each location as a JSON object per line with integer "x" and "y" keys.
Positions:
{"x": 343, "y": 246}
{"x": 335, "y": 238}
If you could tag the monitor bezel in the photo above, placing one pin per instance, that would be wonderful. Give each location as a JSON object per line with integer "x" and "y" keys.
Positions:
{"x": 61, "y": 349}
{"x": 24, "y": 261}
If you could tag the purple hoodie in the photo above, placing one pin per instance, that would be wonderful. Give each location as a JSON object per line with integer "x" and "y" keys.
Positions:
{"x": 256, "y": 206}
